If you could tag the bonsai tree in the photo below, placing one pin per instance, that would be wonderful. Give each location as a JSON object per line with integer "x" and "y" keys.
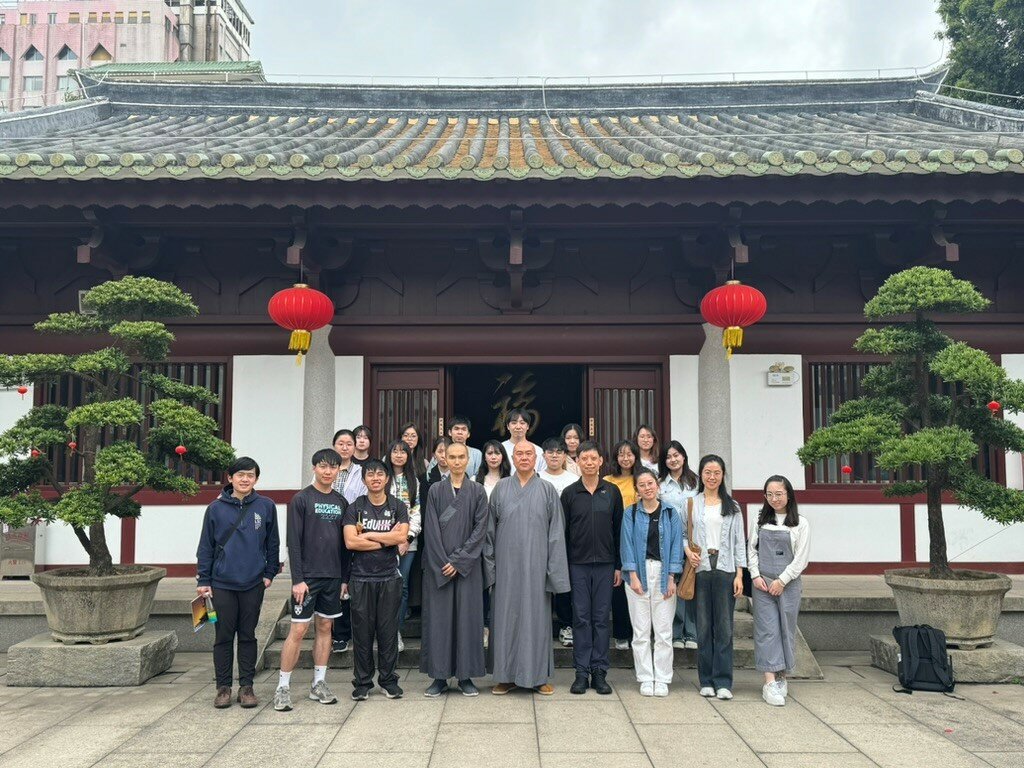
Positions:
{"x": 907, "y": 422}
{"x": 104, "y": 432}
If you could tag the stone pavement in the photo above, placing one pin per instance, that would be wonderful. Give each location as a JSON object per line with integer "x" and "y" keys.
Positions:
{"x": 851, "y": 719}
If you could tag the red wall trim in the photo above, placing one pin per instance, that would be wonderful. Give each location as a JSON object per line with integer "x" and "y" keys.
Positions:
{"x": 128, "y": 540}
{"x": 908, "y": 533}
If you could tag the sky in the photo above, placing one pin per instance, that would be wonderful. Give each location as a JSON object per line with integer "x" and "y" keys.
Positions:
{"x": 338, "y": 40}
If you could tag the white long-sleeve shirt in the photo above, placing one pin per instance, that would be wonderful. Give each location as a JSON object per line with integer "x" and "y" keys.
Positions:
{"x": 799, "y": 538}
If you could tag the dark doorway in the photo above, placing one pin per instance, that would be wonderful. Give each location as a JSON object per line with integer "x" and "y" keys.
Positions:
{"x": 553, "y": 394}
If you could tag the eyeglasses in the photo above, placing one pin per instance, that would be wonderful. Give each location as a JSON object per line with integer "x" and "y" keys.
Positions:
{"x": 776, "y": 495}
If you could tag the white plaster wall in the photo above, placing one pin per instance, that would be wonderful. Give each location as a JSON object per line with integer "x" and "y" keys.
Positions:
{"x": 266, "y": 417}
{"x": 970, "y": 537}
{"x": 852, "y": 533}
{"x": 685, "y": 426}
{"x": 348, "y": 393}
{"x": 1014, "y": 365}
{"x": 57, "y": 544}
{"x": 767, "y": 422}
{"x": 13, "y": 406}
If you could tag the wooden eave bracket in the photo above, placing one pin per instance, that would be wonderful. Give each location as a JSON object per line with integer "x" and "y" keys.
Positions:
{"x": 942, "y": 238}
{"x": 740, "y": 250}
{"x": 84, "y": 251}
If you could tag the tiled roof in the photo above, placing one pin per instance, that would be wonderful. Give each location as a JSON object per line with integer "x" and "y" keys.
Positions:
{"x": 171, "y": 67}
{"x": 161, "y": 130}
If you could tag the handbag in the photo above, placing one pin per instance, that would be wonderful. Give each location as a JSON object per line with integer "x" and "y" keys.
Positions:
{"x": 688, "y": 582}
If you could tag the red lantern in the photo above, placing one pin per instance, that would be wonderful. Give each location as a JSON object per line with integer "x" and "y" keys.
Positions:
{"x": 72, "y": 445}
{"x": 301, "y": 310}
{"x": 181, "y": 450}
{"x": 22, "y": 390}
{"x": 847, "y": 469}
{"x": 34, "y": 453}
{"x": 733, "y": 307}
{"x": 994, "y": 406}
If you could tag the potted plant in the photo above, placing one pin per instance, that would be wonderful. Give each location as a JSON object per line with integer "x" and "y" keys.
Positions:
{"x": 118, "y": 445}
{"x": 926, "y": 413}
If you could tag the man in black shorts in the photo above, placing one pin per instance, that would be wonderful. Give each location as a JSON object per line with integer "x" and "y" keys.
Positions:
{"x": 315, "y": 554}
{"x": 374, "y": 525}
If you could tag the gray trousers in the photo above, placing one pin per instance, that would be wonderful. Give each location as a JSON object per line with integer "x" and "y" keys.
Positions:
{"x": 775, "y": 626}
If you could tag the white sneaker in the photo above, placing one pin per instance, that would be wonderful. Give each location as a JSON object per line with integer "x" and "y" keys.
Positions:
{"x": 707, "y": 692}
{"x": 401, "y": 645}
{"x": 565, "y": 637}
{"x": 661, "y": 690}
{"x": 646, "y": 689}
{"x": 691, "y": 645}
{"x": 622, "y": 645}
{"x": 772, "y": 695}
{"x": 724, "y": 694}
{"x": 783, "y": 685}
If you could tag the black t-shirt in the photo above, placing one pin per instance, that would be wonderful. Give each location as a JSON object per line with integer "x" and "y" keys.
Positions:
{"x": 378, "y": 564}
{"x": 653, "y": 537}
{"x": 315, "y": 543}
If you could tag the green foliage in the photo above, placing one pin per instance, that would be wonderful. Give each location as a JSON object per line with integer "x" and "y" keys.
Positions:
{"x": 127, "y": 316}
{"x": 987, "y": 48}
{"x": 145, "y": 338}
{"x": 853, "y": 410}
{"x": 996, "y": 502}
{"x": 139, "y": 298}
{"x": 113, "y": 413}
{"x": 939, "y": 445}
{"x": 867, "y": 433}
{"x": 905, "y": 488}
{"x": 894, "y": 381}
{"x": 924, "y": 289}
{"x": 901, "y": 340}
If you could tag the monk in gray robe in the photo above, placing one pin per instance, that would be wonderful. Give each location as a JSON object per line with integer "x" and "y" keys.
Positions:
{"x": 454, "y": 529}
{"x": 526, "y": 563}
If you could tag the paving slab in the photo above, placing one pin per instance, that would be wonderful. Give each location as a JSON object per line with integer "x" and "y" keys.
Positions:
{"x": 277, "y": 745}
{"x": 1003, "y": 759}
{"x": 710, "y": 746}
{"x": 1007, "y": 700}
{"x": 682, "y": 706}
{"x": 181, "y": 759}
{"x": 67, "y": 746}
{"x": 907, "y": 746}
{"x": 485, "y": 708}
{"x": 586, "y": 726}
{"x": 967, "y": 723}
{"x": 781, "y": 729}
{"x": 490, "y": 745}
{"x": 817, "y": 760}
{"x": 846, "y": 703}
{"x": 415, "y": 731}
{"x": 594, "y": 760}
{"x": 374, "y": 760}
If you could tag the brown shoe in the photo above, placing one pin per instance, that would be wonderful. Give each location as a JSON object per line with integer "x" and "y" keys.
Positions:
{"x": 502, "y": 688}
{"x": 247, "y": 697}
{"x": 544, "y": 690}
{"x": 223, "y": 698}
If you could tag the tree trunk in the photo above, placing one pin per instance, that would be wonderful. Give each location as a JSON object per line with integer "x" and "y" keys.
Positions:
{"x": 100, "y": 561}
{"x": 936, "y": 529}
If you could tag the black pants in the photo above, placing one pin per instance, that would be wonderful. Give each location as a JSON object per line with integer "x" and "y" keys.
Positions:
{"x": 563, "y": 609}
{"x": 342, "y": 627}
{"x": 591, "y": 614}
{"x": 375, "y": 617}
{"x": 238, "y": 613}
{"x": 622, "y": 627}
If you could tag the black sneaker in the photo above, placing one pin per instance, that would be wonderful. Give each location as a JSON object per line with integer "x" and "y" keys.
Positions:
{"x": 393, "y": 691}
{"x": 339, "y": 646}
{"x": 362, "y": 693}
{"x": 579, "y": 685}
{"x": 436, "y": 689}
{"x": 599, "y": 683}
{"x": 467, "y": 688}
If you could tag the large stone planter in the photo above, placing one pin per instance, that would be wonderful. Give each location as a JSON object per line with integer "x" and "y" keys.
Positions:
{"x": 97, "y": 609}
{"x": 967, "y": 610}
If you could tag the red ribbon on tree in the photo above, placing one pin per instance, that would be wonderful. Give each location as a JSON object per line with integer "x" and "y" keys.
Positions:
{"x": 301, "y": 310}
{"x": 733, "y": 307}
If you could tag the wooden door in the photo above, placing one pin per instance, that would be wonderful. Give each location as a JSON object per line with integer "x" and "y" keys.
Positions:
{"x": 620, "y": 399}
{"x": 402, "y": 394}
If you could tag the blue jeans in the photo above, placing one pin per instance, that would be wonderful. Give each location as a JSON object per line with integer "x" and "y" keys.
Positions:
{"x": 715, "y": 605}
{"x": 405, "y": 568}
{"x": 685, "y": 625}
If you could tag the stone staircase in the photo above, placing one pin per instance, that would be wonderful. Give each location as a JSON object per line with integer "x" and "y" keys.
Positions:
{"x": 743, "y": 650}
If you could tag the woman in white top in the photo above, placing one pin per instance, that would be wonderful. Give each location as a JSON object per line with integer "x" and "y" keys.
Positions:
{"x": 778, "y": 552}
{"x": 494, "y": 466}
{"x": 679, "y": 483}
{"x": 718, "y": 531}
{"x": 650, "y": 452}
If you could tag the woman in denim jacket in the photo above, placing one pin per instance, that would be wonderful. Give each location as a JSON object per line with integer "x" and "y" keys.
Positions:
{"x": 652, "y": 561}
{"x": 718, "y": 531}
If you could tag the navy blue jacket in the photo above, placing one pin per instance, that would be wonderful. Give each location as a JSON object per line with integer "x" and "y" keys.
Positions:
{"x": 252, "y": 553}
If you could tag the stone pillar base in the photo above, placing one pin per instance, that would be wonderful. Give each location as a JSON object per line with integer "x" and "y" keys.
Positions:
{"x": 1001, "y": 662}
{"x": 39, "y": 661}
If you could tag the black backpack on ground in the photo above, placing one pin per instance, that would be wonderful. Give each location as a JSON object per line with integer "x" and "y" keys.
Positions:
{"x": 922, "y": 662}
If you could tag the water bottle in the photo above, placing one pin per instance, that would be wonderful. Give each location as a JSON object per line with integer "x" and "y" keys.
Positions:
{"x": 211, "y": 614}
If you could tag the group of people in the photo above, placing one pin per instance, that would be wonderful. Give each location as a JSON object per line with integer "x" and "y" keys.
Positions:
{"x": 505, "y": 535}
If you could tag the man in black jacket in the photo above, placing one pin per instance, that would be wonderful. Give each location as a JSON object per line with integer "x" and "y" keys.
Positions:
{"x": 236, "y": 560}
{"x": 593, "y": 518}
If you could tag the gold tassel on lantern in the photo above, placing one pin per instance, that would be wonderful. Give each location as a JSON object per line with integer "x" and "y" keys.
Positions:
{"x": 299, "y": 342}
{"x": 732, "y": 337}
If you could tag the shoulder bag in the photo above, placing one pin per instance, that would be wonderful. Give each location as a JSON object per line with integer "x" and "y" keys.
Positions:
{"x": 687, "y": 583}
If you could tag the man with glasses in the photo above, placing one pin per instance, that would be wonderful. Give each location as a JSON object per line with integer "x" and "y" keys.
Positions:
{"x": 315, "y": 557}
{"x": 375, "y": 524}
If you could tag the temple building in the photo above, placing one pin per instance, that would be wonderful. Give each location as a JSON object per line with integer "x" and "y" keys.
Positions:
{"x": 543, "y": 246}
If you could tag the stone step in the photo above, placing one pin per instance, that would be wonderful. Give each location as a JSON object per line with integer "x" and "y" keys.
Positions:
{"x": 743, "y": 656}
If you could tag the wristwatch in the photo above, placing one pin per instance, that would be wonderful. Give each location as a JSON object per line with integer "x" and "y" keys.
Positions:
{"x": 410, "y": 538}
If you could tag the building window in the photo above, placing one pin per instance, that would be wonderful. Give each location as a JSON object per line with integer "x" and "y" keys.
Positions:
{"x": 147, "y": 17}
{"x": 33, "y": 54}
{"x": 74, "y": 18}
{"x": 5, "y": 85}
{"x": 32, "y": 84}
{"x": 105, "y": 17}
{"x": 3, "y": 18}
{"x": 119, "y": 17}
{"x": 52, "y": 18}
{"x": 24, "y": 19}
{"x": 133, "y": 17}
{"x": 93, "y": 17}
{"x": 66, "y": 54}
{"x": 70, "y": 393}
{"x": 4, "y": 56}
{"x": 101, "y": 55}
{"x": 64, "y": 83}
{"x": 830, "y": 385}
